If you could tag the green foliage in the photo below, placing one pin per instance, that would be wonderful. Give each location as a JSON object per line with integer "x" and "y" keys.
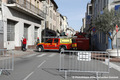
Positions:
{"x": 107, "y": 21}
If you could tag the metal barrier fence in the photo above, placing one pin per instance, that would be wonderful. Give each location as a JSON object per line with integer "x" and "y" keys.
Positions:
{"x": 6, "y": 60}
{"x": 96, "y": 62}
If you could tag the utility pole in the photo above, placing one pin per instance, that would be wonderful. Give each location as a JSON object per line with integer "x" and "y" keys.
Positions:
{"x": 117, "y": 40}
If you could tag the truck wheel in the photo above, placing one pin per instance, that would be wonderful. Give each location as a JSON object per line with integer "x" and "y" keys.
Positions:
{"x": 40, "y": 48}
{"x": 62, "y": 49}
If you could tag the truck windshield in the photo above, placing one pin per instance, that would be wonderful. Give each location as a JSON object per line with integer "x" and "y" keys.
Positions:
{"x": 49, "y": 41}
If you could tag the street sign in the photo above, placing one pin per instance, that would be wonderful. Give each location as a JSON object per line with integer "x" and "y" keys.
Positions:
{"x": 93, "y": 29}
{"x": 84, "y": 56}
{"x": 116, "y": 28}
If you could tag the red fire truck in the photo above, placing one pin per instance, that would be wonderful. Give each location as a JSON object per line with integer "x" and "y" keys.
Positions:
{"x": 81, "y": 41}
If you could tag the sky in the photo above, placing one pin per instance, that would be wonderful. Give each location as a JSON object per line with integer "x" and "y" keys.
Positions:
{"x": 74, "y": 10}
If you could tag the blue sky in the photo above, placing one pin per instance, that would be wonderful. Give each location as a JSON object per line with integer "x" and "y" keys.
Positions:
{"x": 74, "y": 10}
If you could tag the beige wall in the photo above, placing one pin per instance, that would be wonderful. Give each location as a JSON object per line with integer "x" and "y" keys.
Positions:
{"x": 4, "y": 1}
{"x": 36, "y": 3}
{"x": 58, "y": 21}
{"x": 51, "y": 16}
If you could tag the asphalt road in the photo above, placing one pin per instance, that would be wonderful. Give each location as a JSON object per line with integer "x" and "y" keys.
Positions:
{"x": 45, "y": 65}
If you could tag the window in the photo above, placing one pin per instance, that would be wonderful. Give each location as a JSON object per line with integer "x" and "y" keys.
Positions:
{"x": 46, "y": 9}
{"x": 49, "y": 41}
{"x": 55, "y": 40}
{"x": 25, "y": 2}
{"x": 38, "y": 4}
{"x": 35, "y": 3}
{"x": 10, "y": 30}
{"x": 47, "y": 1}
{"x": 54, "y": 28}
{"x": 50, "y": 25}
{"x": 47, "y": 24}
{"x": 50, "y": 13}
{"x": 30, "y": 4}
{"x": 36, "y": 33}
{"x": 26, "y": 26}
{"x": 54, "y": 16}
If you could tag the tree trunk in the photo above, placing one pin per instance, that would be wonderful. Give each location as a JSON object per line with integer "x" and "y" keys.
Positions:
{"x": 112, "y": 43}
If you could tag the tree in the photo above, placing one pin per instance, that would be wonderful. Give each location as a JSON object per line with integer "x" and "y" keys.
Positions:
{"x": 106, "y": 23}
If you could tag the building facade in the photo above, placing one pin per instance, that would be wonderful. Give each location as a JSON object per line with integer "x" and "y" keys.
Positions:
{"x": 50, "y": 9}
{"x": 65, "y": 24}
{"x": 21, "y": 18}
{"x": 88, "y": 17}
{"x": 83, "y": 27}
{"x": 99, "y": 40}
{"x": 70, "y": 32}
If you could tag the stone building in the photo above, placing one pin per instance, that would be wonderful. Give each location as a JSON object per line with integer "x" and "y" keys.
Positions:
{"x": 21, "y": 18}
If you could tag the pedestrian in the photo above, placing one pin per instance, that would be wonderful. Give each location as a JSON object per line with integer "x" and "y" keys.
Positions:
{"x": 24, "y": 42}
{"x": 38, "y": 41}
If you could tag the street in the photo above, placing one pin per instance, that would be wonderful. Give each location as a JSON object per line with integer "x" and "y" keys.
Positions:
{"x": 45, "y": 65}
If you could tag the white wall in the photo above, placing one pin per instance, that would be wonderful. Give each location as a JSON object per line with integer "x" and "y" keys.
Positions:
{"x": 20, "y": 19}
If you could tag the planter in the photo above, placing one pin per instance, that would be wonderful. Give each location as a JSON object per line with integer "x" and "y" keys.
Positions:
{"x": 113, "y": 52}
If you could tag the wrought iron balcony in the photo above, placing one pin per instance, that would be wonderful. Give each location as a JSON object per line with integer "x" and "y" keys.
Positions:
{"x": 27, "y": 5}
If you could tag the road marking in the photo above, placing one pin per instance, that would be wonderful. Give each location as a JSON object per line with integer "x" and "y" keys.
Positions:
{"x": 28, "y": 76}
{"x": 112, "y": 65}
{"x": 41, "y": 55}
{"x": 31, "y": 55}
{"x": 41, "y": 63}
{"x": 52, "y": 55}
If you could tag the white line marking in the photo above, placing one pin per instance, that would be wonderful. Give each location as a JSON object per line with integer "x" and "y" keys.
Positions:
{"x": 31, "y": 55}
{"x": 112, "y": 65}
{"x": 52, "y": 55}
{"x": 41, "y": 64}
{"x": 28, "y": 76}
{"x": 41, "y": 55}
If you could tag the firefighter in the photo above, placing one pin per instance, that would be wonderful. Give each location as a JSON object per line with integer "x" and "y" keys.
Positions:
{"x": 38, "y": 41}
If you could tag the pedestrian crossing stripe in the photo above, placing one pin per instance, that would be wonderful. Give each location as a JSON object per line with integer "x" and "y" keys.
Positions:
{"x": 52, "y": 55}
{"x": 31, "y": 55}
{"x": 41, "y": 55}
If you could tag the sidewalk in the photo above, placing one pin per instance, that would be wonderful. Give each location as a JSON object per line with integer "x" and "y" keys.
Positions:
{"x": 98, "y": 57}
{"x": 18, "y": 53}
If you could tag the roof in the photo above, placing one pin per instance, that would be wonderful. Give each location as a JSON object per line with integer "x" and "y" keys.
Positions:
{"x": 54, "y": 3}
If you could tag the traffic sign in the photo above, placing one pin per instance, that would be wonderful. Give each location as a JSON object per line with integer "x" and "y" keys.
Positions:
{"x": 93, "y": 29}
{"x": 84, "y": 56}
{"x": 116, "y": 28}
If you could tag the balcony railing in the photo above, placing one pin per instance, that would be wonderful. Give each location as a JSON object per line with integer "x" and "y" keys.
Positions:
{"x": 28, "y": 6}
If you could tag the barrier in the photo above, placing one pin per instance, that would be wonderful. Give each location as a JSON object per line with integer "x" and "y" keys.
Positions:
{"x": 6, "y": 60}
{"x": 84, "y": 61}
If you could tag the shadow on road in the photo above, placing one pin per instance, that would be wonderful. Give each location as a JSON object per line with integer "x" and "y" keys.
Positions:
{"x": 56, "y": 72}
{"x": 48, "y": 51}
